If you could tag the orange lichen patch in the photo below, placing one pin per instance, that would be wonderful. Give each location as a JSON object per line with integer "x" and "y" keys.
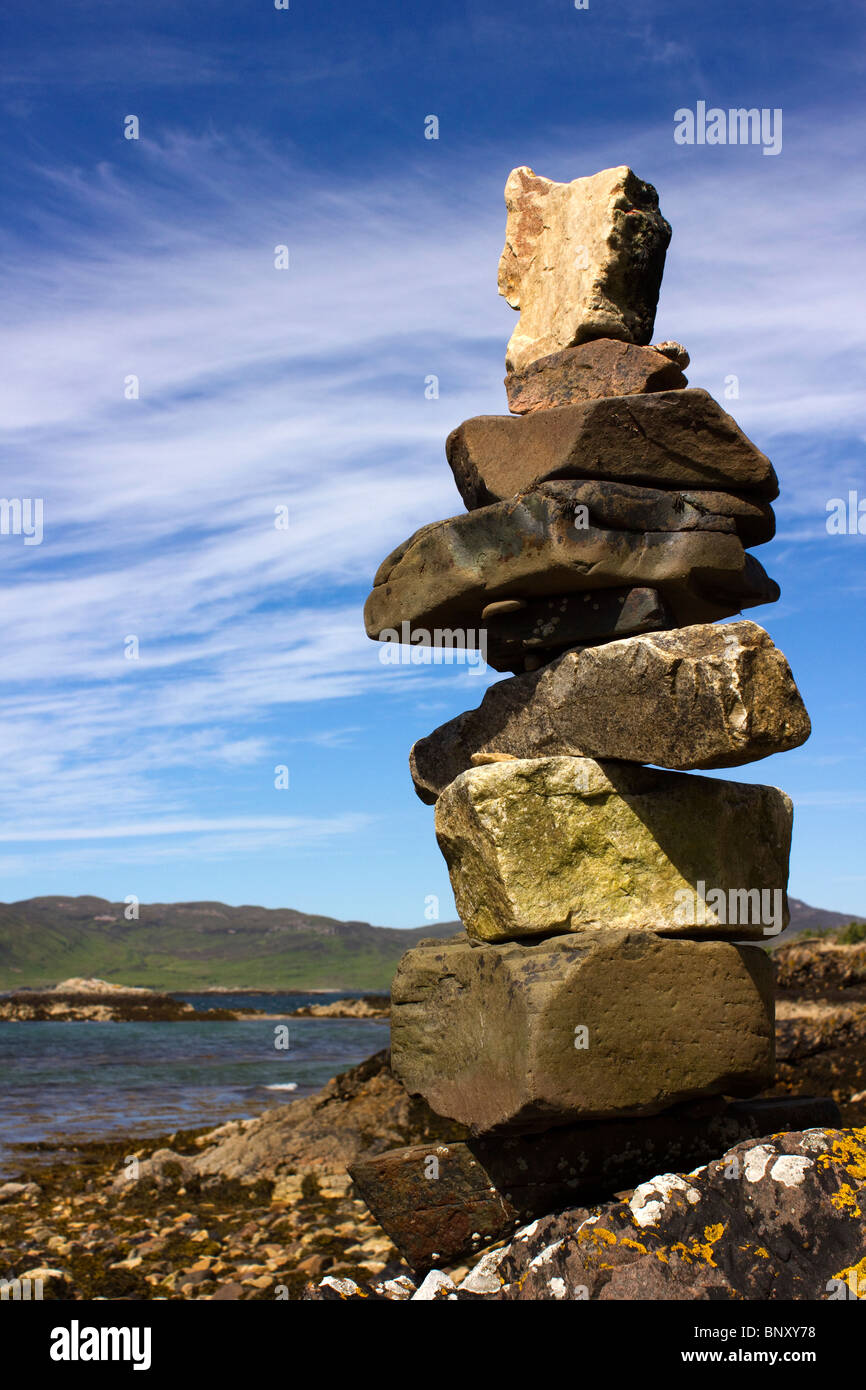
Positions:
{"x": 847, "y": 1152}
{"x": 759, "y": 1250}
{"x": 855, "y": 1277}
{"x": 597, "y": 1234}
{"x": 700, "y": 1251}
{"x": 594, "y": 1252}
{"x": 634, "y": 1244}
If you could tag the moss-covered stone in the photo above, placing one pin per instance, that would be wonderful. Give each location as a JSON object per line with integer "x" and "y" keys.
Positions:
{"x": 541, "y": 845}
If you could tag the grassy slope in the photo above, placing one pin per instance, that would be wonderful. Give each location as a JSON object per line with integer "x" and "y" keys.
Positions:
{"x": 189, "y": 946}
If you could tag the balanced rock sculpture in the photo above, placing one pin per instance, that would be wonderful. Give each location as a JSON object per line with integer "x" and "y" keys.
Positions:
{"x": 605, "y": 890}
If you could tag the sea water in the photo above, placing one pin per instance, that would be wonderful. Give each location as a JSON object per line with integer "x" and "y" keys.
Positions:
{"x": 63, "y": 1082}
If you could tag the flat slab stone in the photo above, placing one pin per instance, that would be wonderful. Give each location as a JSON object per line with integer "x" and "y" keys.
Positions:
{"x": 632, "y": 507}
{"x": 697, "y": 697}
{"x": 564, "y": 844}
{"x": 604, "y": 1024}
{"x": 604, "y": 367}
{"x": 529, "y": 548}
{"x": 440, "y": 1202}
{"x": 581, "y": 260}
{"x": 668, "y": 439}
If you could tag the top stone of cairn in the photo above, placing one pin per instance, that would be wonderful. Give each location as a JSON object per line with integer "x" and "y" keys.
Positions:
{"x": 582, "y": 260}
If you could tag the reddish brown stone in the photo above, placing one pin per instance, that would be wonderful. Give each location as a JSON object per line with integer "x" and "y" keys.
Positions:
{"x": 665, "y": 439}
{"x": 605, "y": 367}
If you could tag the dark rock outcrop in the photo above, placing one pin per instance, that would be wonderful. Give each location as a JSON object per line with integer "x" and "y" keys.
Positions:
{"x": 782, "y": 1218}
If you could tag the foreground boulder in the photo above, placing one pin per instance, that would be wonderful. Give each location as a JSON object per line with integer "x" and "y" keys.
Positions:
{"x": 697, "y": 697}
{"x": 440, "y": 1202}
{"x": 605, "y": 367}
{"x": 581, "y": 260}
{"x": 670, "y": 439}
{"x": 775, "y": 1219}
{"x": 781, "y": 1219}
{"x": 565, "y": 844}
{"x": 603, "y": 1024}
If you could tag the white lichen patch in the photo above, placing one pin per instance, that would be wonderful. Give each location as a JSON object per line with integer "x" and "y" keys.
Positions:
{"x": 346, "y": 1288}
{"x": 755, "y": 1162}
{"x": 814, "y": 1141}
{"x": 648, "y": 1201}
{"x": 590, "y": 1221}
{"x": 546, "y": 1254}
{"x": 791, "y": 1169}
{"x": 557, "y": 1288}
{"x": 526, "y": 1232}
{"x": 484, "y": 1278}
{"x": 436, "y": 1285}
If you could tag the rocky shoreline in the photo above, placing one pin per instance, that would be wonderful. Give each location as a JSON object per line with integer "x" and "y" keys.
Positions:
{"x": 254, "y": 1209}
{"x": 98, "y": 1001}
{"x": 264, "y": 1208}
{"x": 370, "y": 1006}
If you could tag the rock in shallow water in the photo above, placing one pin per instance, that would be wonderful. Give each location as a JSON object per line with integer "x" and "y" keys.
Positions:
{"x": 604, "y": 1024}
{"x": 581, "y": 260}
{"x": 697, "y": 697}
{"x": 670, "y": 439}
{"x": 563, "y": 844}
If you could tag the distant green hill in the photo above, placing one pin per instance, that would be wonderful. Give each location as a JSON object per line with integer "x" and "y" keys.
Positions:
{"x": 187, "y": 946}
{"x": 812, "y": 919}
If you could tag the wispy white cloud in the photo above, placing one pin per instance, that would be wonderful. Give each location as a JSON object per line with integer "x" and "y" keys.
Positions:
{"x": 281, "y": 827}
{"x": 833, "y": 798}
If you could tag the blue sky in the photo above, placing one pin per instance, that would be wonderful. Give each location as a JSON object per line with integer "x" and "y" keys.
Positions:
{"x": 304, "y": 389}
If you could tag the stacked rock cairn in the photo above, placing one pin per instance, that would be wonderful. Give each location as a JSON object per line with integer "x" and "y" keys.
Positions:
{"x": 600, "y": 1011}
